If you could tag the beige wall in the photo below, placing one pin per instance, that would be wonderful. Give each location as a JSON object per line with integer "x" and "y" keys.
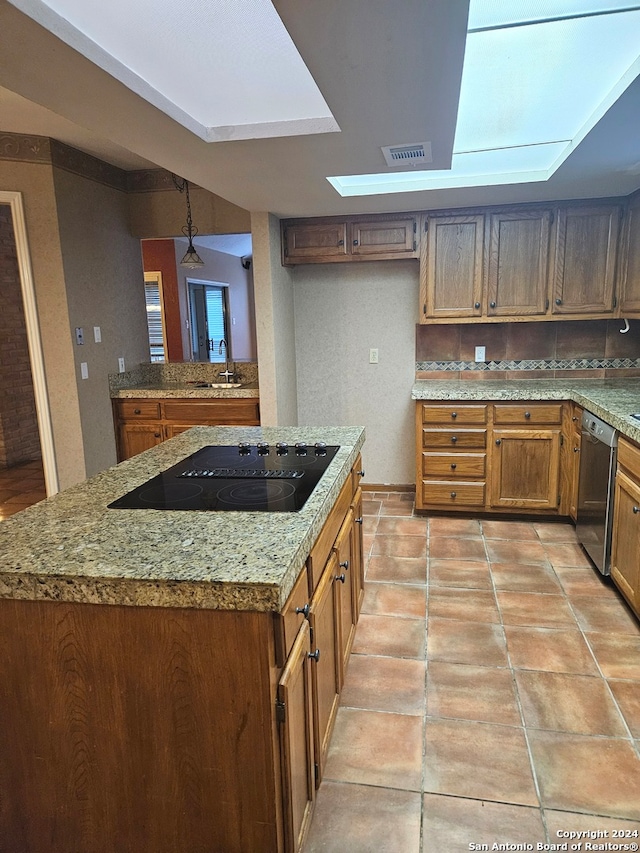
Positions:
{"x": 341, "y": 311}
{"x": 104, "y": 287}
{"x": 162, "y": 214}
{"x": 35, "y": 182}
{"x": 275, "y": 324}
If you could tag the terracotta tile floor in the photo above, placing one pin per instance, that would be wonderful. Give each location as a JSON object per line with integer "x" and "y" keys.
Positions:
{"x": 492, "y": 697}
{"x": 20, "y": 487}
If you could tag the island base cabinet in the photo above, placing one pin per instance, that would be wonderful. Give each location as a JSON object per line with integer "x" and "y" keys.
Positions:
{"x": 138, "y": 729}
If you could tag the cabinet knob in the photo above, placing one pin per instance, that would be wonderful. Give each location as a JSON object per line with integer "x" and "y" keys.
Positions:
{"x": 314, "y": 655}
{"x": 574, "y": 418}
{"x": 454, "y": 438}
{"x": 156, "y": 435}
{"x": 342, "y": 578}
{"x": 360, "y": 473}
{"x": 453, "y": 466}
{"x": 304, "y": 610}
{"x": 136, "y": 411}
{"x": 454, "y": 415}
{"x": 498, "y": 441}
{"x": 558, "y": 301}
{"x": 492, "y": 305}
{"x": 636, "y": 510}
{"x": 359, "y": 520}
{"x": 453, "y": 494}
{"x": 527, "y": 415}
{"x": 576, "y": 450}
{"x": 355, "y": 242}
{"x": 476, "y": 305}
{"x": 340, "y": 242}
{"x": 344, "y": 565}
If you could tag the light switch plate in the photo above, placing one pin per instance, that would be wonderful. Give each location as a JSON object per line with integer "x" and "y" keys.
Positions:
{"x": 97, "y": 334}
{"x": 121, "y": 364}
{"x": 84, "y": 370}
{"x": 480, "y": 354}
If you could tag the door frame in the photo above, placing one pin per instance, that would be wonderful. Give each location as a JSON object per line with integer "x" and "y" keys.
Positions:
{"x": 43, "y": 412}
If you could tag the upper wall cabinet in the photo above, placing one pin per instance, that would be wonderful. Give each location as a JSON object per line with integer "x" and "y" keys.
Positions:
{"x": 585, "y": 259}
{"x": 629, "y": 272}
{"x": 370, "y": 238}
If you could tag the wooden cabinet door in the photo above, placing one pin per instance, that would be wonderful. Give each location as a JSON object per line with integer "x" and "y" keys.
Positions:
{"x": 585, "y": 259}
{"x": 525, "y": 468}
{"x": 383, "y": 237}
{"x": 346, "y": 591}
{"x": 358, "y": 551}
{"x": 517, "y": 278}
{"x": 629, "y": 276}
{"x": 295, "y": 716}
{"x": 625, "y": 567}
{"x": 320, "y": 240}
{"x": 325, "y": 671}
{"x": 136, "y": 437}
{"x": 452, "y": 267}
{"x": 575, "y": 448}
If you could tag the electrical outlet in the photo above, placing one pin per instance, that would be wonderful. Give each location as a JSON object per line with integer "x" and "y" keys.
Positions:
{"x": 121, "y": 364}
{"x": 84, "y": 370}
{"x": 79, "y": 335}
{"x": 97, "y": 334}
{"x": 480, "y": 354}
{"x": 373, "y": 356}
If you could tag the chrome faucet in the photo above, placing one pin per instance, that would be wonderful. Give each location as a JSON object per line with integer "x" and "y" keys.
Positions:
{"x": 228, "y": 374}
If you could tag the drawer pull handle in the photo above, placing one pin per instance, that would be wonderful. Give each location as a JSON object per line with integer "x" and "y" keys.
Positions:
{"x": 344, "y": 565}
{"x": 304, "y": 610}
{"x": 498, "y": 441}
{"x": 576, "y": 450}
{"x": 476, "y": 305}
{"x": 574, "y": 418}
{"x": 136, "y": 411}
{"x": 360, "y": 473}
{"x": 315, "y": 656}
{"x": 453, "y": 494}
{"x": 156, "y": 435}
{"x": 453, "y": 466}
{"x": 342, "y": 578}
{"x": 454, "y": 438}
{"x": 636, "y": 510}
{"x": 454, "y": 415}
{"x": 527, "y": 414}
{"x": 359, "y": 520}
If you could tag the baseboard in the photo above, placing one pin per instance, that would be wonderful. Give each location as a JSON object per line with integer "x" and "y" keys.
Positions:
{"x": 387, "y": 487}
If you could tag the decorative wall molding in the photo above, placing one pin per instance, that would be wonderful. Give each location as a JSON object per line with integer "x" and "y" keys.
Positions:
{"x": 24, "y": 148}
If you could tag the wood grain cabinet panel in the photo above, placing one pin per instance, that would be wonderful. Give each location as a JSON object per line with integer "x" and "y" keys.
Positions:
{"x": 585, "y": 259}
{"x": 451, "y": 279}
{"x": 346, "y": 583}
{"x": 629, "y": 273}
{"x": 625, "y": 566}
{"x": 330, "y": 240}
{"x": 517, "y": 280}
{"x": 525, "y": 468}
{"x": 309, "y": 241}
{"x": 380, "y": 236}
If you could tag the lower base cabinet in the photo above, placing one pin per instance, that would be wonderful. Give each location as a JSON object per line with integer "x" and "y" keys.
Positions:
{"x": 168, "y": 730}
{"x": 625, "y": 562}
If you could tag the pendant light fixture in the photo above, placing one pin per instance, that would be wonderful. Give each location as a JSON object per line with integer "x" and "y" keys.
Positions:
{"x": 191, "y": 259}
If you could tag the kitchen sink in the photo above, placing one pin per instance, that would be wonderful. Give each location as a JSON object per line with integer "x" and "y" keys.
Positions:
{"x": 223, "y": 384}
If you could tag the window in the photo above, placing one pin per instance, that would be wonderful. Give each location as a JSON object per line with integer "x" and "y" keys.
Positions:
{"x": 209, "y": 326}
{"x": 155, "y": 315}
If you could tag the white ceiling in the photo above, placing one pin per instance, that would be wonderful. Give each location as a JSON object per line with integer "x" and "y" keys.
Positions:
{"x": 388, "y": 71}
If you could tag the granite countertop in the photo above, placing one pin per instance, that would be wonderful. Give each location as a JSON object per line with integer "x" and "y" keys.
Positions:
{"x": 183, "y": 391}
{"x": 70, "y": 547}
{"x": 613, "y": 400}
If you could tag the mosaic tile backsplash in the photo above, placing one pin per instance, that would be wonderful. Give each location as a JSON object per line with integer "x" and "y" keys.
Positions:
{"x": 578, "y": 348}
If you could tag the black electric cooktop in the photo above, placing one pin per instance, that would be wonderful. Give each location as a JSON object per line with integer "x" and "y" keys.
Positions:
{"x": 245, "y": 478}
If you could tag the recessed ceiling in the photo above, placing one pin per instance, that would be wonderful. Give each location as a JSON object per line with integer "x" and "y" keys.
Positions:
{"x": 223, "y": 69}
{"x": 537, "y": 77}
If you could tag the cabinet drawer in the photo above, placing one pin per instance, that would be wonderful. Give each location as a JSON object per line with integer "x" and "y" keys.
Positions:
{"x": 452, "y": 493}
{"x": 454, "y": 414}
{"x": 436, "y": 465}
{"x": 527, "y": 413}
{"x": 317, "y": 559}
{"x": 236, "y": 411}
{"x": 288, "y": 621}
{"x": 454, "y": 438}
{"x": 629, "y": 457}
{"x": 129, "y": 410}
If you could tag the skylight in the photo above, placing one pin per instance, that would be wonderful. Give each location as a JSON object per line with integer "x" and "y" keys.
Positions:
{"x": 537, "y": 77}
{"x": 223, "y": 69}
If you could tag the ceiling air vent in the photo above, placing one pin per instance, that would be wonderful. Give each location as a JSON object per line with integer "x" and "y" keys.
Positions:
{"x": 407, "y": 155}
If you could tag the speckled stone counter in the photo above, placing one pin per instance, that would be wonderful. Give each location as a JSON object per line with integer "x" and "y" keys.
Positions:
{"x": 71, "y": 547}
{"x": 179, "y": 391}
{"x": 182, "y": 381}
{"x": 613, "y": 400}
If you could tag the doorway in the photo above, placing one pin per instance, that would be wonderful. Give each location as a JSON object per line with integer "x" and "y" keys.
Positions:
{"x": 35, "y": 392}
{"x": 209, "y": 315}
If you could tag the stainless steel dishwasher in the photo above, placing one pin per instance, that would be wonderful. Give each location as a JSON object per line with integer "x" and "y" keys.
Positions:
{"x": 598, "y": 452}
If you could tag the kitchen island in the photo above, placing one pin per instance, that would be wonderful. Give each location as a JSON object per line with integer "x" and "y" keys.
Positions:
{"x": 143, "y": 657}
